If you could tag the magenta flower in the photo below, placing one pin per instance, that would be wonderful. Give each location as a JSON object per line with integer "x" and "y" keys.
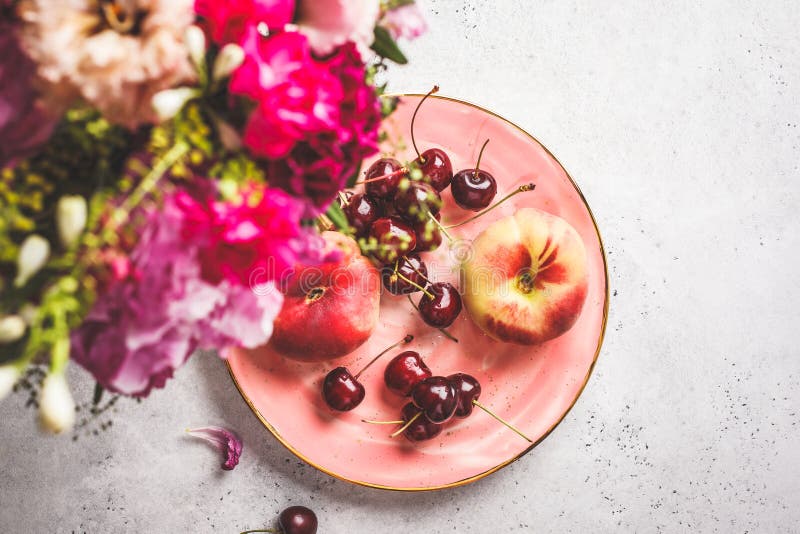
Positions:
{"x": 229, "y": 20}
{"x": 223, "y": 440}
{"x": 143, "y": 327}
{"x": 319, "y": 165}
{"x": 24, "y": 125}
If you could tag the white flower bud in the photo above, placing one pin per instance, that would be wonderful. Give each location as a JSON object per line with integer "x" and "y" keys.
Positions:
{"x": 169, "y": 102}
{"x": 12, "y": 327}
{"x": 9, "y": 374}
{"x": 229, "y": 59}
{"x": 71, "y": 213}
{"x": 28, "y": 313}
{"x": 33, "y": 255}
{"x": 195, "y": 41}
{"x": 56, "y": 407}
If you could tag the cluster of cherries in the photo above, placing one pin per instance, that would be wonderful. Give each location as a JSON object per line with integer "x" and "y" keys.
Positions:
{"x": 434, "y": 399}
{"x": 397, "y": 217}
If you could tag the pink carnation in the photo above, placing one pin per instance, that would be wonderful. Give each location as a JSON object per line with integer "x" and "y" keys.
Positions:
{"x": 145, "y": 326}
{"x": 296, "y": 95}
{"x": 229, "y": 20}
{"x": 332, "y": 23}
{"x": 406, "y": 22}
{"x": 319, "y": 166}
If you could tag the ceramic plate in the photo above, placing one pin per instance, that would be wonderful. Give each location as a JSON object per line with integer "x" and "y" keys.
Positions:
{"x": 533, "y": 387}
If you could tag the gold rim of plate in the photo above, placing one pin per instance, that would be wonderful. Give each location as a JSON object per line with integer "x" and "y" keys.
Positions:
{"x": 496, "y": 468}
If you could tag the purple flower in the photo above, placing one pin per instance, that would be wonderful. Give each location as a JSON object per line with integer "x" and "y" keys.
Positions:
{"x": 24, "y": 125}
{"x": 224, "y": 440}
{"x": 146, "y": 325}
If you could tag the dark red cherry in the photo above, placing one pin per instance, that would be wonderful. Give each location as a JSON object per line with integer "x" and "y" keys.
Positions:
{"x": 405, "y": 371}
{"x": 415, "y": 199}
{"x": 428, "y": 235}
{"x": 341, "y": 390}
{"x": 468, "y": 389}
{"x": 441, "y": 310}
{"x": 394, "y": 238}
{"x": 436, "y": 168}
{"x": 473, "y": 190}
{"x": 390, "y": 172}
{"x": 421, "y": 428}
{"x": 436, "y": 397}
{"x": 410, "y": 275}
{"x": 361, "y": 211}
{"x": 298, "y": 520}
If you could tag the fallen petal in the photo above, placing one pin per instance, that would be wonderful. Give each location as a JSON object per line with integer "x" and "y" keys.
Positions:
{"x": 224, "y": 440}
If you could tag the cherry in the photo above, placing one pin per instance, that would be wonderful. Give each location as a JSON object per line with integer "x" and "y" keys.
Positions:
{"x": 436, "y": 397}
{"x": 298, "y": 520}
{"x": 436, "y": 167}
{"x": 404, "y": 371}
{"x": 429, "y": 237}
{"x": 474, "y": 189}
{"x": 441, "y": 310}
{"x": 361, "y": 211}
{"x": 408, "y": 275}
{"x": 383, "y": 176}
{"x": 415, "y": 199}
{"x": 468, "y": 389}
{"x": 418, "y": 428}
{"x": 394, "y": 238}
{"x": 342, "y": 391}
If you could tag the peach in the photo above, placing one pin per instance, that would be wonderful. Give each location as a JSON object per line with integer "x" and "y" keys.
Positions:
{"x": 527, "y": 278}
{"x": 329, "y": 310}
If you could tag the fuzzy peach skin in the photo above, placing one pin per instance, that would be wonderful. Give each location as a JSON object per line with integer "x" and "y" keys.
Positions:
{"x": 329, "y": 310}
{"x": 527, "y": 280}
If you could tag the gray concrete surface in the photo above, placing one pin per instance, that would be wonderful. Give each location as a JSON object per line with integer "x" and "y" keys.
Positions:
{"x": 679, "y": 120}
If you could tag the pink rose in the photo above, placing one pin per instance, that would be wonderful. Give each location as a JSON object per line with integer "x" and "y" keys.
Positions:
{"x": 331, "y": 23}
{"x": 405, "y": 22}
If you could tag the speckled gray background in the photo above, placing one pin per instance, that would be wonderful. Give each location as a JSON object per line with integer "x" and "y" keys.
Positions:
{"x": 679, "y": 120}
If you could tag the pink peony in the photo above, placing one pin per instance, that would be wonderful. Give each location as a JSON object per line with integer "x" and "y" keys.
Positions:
{"x": 332, "y": 23}
{"x": 320, "y": 165}
{"x": 296, "y": 95}
{"x": 229, "y": 21}
{"x": 406, "y": 22}
{"x": 145, "y": 326}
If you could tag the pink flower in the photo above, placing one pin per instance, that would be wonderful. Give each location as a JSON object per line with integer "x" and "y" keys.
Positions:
{"x": 229, "y": 20}
{"x": 145, "y": 326}
{"x": 296, "y": 95}
{"x": 319, "y": 166}
{"x": 405, "y": 22}
{"x": 224, "y": 440}
{"x": 332, "y": 23}
{"x": 256, "y": 238}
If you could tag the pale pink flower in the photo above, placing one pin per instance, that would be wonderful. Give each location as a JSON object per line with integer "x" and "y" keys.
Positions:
{"x": 331, "y": 23}
{"x": 405, "y": 22}
{"x": 114, "y": 60}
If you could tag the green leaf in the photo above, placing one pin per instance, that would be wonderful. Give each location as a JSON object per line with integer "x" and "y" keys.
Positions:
{"x": 386, "y": 47}
{"x": 351, "y": 181}
{"x": 337, "y": 216}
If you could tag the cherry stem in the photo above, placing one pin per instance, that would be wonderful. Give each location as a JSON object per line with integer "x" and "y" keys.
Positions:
{"x": 520, "y": 189}
{"x": 413, "y": 283}
{"x": 509, "y": 425}
{"x": 272, "y": 530}
{"x": 480, "y": 155}
{"x": 401, "y": 170}
{"x": 373, "y": 422}
{"x": 343, "y": 199}
{"x": 442, "y": 228}
{"x": 403, "y": 341}
{"x": 405, "y": 426}
{"x": 414, "y": 116}
{"x": 415, "y": 269}
{"x": 447, "y": 334}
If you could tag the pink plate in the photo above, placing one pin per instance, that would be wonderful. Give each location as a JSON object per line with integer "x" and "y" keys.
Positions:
{"x": 532, "y": 387}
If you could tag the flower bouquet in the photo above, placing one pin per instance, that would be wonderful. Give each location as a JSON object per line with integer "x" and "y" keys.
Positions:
{"x": 163, "y": 166}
